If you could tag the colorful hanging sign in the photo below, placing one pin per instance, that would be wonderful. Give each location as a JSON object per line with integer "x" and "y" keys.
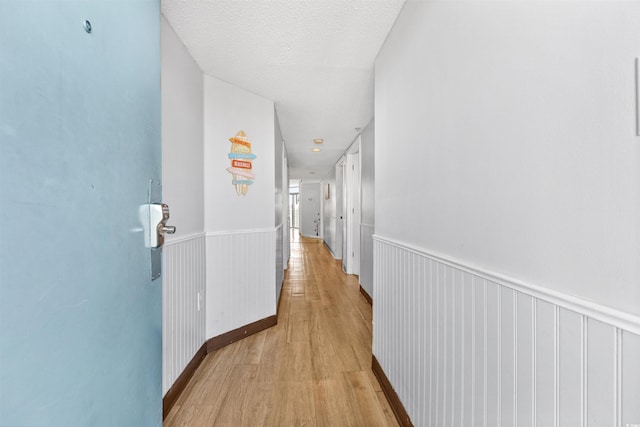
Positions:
{"x": 241, "y": 163}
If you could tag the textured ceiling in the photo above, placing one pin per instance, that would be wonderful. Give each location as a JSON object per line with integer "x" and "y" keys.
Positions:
{"x": 313, "y": 58}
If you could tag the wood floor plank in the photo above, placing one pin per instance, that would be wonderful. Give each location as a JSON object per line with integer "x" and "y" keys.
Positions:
{"x": 250, "y": 349}
{"x": 214, "y": 369}
{"x": 258, "y": 408}
{"x": 331, "y": 411}
{"x": 386, "y": 408}
{"x": 299, "y": 364}
{"x": 241, "y": 383}
{"x": 295, "y": 404}
{"x": 273, "y": 366}
{"x": 311, "y": 369}
{"x": 365, "y": 398}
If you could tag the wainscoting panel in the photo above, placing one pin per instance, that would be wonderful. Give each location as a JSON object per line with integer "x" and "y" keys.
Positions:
{"x": 570, "y": 369}
{"x": 601, "y": 374}
{"x": 631, "y": 368}
{"x": 525, "y": 360}
{"x": 241, "y": 276}
{"x": 183, "y": 311}
{"x": 279, "y": 260}
{"x": 366, "y": 257}
{"x": 465, "y": 347}
{"x": 545, "y": 354}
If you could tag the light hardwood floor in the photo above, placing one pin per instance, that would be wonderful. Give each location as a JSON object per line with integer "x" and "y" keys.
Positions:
{"x": 312, "y": 369}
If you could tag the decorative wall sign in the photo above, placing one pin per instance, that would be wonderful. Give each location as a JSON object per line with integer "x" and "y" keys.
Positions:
{"x": 241, "y": 163}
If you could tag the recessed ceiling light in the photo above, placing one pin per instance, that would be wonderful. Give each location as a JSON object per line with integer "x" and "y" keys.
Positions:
{"x": 312, "y": 173}
{"x": 315, "y": 150}
{"x": 318, "y": 141}
{"x": 358, "y": 129}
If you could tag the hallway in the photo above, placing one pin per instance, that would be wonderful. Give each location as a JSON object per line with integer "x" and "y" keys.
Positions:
{"x": 313, "y": 368}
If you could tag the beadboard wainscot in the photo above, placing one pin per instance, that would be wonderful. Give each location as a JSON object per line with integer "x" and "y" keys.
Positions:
{"x": 241, "y": 288}
{"x": 279, "y": 256}
{"x": 366, "y": 258}
{"x": 183, "y": 309}
{"x": 466, "y": 347}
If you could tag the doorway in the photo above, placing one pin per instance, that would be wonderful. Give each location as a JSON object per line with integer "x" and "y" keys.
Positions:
{"x": 339, "y": 195}
{"x": 294, "y": 210}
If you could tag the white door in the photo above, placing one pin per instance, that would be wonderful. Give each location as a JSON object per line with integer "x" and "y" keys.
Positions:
{"x": 339, "y": 212}
{"x": 353, "y": 212}
{"x": 345, "y": 217}
{"x": 351, "y": 254}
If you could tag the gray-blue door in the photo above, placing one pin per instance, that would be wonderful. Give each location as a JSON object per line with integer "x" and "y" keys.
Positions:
{"x": 80, "y": 319}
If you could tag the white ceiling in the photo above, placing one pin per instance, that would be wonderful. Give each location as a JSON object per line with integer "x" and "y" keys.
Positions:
{"x": 314, "y": 58}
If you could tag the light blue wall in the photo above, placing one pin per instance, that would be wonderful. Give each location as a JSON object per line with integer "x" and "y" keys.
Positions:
{"x": 80, "y": 321}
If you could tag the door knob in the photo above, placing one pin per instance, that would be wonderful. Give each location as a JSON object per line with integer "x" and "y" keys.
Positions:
{"x": 166, "y": 229}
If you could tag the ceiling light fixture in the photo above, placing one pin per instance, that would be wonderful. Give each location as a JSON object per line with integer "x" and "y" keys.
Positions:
{"x": 315, "y": 150}
{"x": 318, "y": 141}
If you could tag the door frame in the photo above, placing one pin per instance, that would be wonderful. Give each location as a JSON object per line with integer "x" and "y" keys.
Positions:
{"x": 351, "y": 258}
{"x": 339, "y": 210}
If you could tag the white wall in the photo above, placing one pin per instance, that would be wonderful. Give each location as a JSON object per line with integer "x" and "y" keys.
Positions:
{"x": 183, "y": 278}
{"x": 281, "y": 192}
{"x": 281, "y": 187}
{"x": 286, "y": 249}
{"x": 505, "y": 143}
{"x": 182, "y": 133}
{"x": 241, "y": 236}
{"x": 310, "y": 208}
{"x": 229, "y": 109}
{"x": 220, "y": 268}
{"x": 329, "y": 211}
{"x": 523, "y": 153}
{"x": 367, "y": 206}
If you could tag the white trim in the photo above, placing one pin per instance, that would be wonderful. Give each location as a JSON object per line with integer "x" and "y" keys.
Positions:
{"x": 329, "y": 249}
{"x": 181, "y": 239}
{"x": 354, "y": 147}
{"x": 637, "y": 96}
{"x": 353, "y": 182}
{"x": 232, "y": 232}
{"x": 608, "y": 315}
